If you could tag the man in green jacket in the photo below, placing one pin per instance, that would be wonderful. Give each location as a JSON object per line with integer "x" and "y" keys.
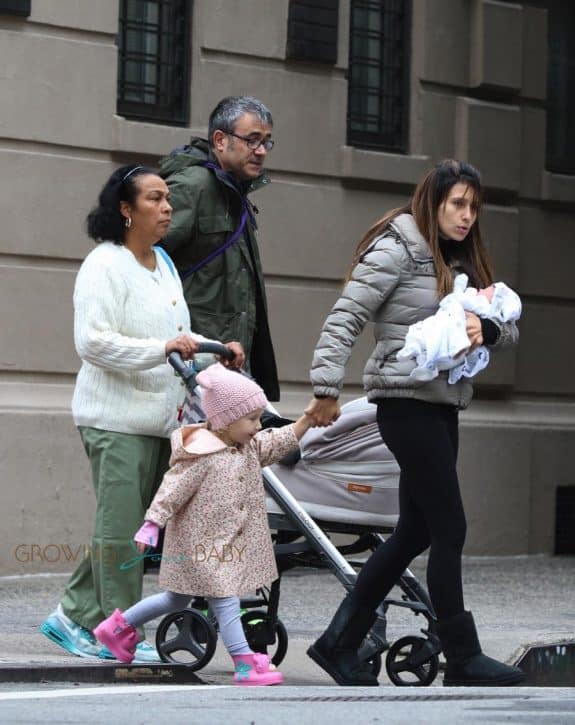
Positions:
{"x": 212, "y": 237}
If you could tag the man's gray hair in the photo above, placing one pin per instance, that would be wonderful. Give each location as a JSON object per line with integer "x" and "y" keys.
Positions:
{"x": 226, "y": 114}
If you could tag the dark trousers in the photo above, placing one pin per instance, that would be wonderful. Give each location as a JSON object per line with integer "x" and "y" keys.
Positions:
{"x": 424, "y": 440}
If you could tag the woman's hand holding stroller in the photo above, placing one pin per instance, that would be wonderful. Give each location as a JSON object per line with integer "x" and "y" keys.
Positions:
{"x": 184, "y": 344}
{"x": 323, "y": 411}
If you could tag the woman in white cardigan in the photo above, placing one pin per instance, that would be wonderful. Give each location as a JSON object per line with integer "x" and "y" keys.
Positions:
{"x": 129, "y": 315}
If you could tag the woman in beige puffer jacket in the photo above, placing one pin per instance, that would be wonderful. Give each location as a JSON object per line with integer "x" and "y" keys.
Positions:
{"x": 402, "y": 268}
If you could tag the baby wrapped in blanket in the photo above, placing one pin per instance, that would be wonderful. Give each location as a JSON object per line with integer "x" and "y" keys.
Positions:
{"x": 440, "y": 341}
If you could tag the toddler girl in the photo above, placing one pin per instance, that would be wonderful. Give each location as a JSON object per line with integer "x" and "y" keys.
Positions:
{"x": 211, "y": 501}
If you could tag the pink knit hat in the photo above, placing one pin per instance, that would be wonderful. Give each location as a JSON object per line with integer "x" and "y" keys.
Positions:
{"x": 228, "y": 395}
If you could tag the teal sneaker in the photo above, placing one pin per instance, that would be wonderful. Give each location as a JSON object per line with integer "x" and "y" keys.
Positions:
{"x": 72, "y": 637}
{"x": 145, "y": 654}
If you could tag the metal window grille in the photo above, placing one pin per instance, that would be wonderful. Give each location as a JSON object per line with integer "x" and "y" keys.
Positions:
{"x": 153, "y": 60}
{"x": 377, "y": 115}
{"x": 312, "y": 30}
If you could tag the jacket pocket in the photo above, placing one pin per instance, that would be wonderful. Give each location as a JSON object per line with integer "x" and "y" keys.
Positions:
{"x": 215, "y": 224}
{"x": 213, "y": 233}
{"x": 221, "y": 325}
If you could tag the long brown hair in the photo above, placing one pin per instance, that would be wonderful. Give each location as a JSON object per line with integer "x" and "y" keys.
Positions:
{"x": 431, "y": 192}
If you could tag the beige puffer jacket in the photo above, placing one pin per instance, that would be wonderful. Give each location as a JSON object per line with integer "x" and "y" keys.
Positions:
{"x": 394, "y": 286}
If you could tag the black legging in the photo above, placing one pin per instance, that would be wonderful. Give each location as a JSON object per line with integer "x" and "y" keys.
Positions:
{"x": 424, "y": 439}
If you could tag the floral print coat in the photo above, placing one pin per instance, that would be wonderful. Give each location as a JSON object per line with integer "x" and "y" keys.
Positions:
{"x": 212, "y": 502}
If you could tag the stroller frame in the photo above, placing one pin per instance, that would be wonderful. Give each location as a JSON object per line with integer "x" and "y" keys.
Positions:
{"x": 410, "y": 660}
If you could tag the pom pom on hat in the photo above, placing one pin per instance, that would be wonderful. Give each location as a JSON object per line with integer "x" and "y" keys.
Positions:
{"x": 228, "y": 395}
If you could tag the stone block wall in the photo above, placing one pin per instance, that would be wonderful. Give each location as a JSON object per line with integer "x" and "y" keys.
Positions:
{"x": 477, "y": 90}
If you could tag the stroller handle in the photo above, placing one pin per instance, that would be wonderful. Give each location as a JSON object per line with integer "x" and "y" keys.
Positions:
{"x": 186, "y": 371}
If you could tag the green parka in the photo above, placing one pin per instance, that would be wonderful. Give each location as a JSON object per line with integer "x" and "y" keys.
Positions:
{"x": 226, "y": 298}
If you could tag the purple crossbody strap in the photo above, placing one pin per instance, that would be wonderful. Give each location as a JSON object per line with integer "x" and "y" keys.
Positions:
{"x": 227, "y": 244}
{"x": 220, "y": 250}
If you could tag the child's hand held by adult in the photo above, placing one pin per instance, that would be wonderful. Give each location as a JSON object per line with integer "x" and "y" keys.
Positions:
{"x": 323, "y": 411}
{"x": 302, "y": 425}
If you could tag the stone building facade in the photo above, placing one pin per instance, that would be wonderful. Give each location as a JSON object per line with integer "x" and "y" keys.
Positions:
{"x": 366, "y": 96}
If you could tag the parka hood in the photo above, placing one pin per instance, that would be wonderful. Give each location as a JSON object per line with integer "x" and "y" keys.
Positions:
{"x": 405, "y": 226}
{"x": 199, "y": 440}
{"x": 196, "y": 153}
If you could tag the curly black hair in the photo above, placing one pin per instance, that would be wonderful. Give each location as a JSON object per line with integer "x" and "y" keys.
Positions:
{"x": 105, "y": 222}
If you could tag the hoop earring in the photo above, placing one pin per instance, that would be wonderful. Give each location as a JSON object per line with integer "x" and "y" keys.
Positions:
{"x": 128, "y": 222}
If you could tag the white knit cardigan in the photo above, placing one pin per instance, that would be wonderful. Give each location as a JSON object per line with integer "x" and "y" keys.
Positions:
{"x": 123, "y": 316}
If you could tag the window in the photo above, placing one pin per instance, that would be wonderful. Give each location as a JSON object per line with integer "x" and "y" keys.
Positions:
{"x": 312, "y": 30}
{"x": 560, "y": 142}
{"x": 153, "y": 60}
{"x": 15, "y": 7}
{"x": 377, "y": 115}
{"x": 560, "y": 84}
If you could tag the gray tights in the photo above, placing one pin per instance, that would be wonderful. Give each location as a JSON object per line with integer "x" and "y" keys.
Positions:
{"x": 225, "y": 609}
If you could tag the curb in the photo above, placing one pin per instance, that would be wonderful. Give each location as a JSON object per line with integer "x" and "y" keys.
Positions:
{"x": 100, "y": 673}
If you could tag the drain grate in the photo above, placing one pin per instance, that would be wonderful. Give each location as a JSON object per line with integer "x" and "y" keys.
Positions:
{"x": 549, "y": 665}
{"x": 384, "y": 698}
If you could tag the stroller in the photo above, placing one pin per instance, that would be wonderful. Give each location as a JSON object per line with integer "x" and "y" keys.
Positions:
{"x": 343, "y": 481}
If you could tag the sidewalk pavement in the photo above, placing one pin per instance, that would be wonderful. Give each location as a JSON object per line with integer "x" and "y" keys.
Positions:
{"x": 516, "y": 601}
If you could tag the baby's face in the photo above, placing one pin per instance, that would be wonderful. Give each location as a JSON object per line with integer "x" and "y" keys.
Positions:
{"x": 487, "y": 292}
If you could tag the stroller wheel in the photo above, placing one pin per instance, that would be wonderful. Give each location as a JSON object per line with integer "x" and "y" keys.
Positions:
{"x": 407, "y": 663}
{"x": 186, "y": 638}
{"x": 271, "y": 640}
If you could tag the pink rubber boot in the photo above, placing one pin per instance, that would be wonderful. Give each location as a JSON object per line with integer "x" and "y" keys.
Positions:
{"x": 255, "y": 669}
{"x": 118, "y": 636}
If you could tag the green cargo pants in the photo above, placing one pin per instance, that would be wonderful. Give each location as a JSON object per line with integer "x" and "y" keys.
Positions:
{"x": 126, "y": 472}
